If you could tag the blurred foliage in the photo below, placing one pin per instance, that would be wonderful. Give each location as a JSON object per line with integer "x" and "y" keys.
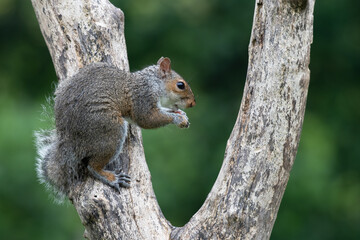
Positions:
{"x": 207, "y": 42}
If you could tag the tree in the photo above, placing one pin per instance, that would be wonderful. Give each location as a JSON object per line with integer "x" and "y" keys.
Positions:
{"x": 260, "y": 152}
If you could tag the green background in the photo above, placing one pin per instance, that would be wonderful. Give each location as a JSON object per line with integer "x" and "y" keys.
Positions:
{"x": 207, "y": 41}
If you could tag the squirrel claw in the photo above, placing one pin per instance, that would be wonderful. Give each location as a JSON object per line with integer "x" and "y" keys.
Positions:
{"x": 181, "y": 120}
{"x": 122, "y": 180}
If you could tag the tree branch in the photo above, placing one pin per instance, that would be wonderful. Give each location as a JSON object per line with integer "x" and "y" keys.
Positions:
{"x": 78, "y": 32}
{"x": 245, "y": 198}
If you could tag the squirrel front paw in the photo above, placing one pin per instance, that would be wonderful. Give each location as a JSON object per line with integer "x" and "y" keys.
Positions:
{"x": 181, "y": 120}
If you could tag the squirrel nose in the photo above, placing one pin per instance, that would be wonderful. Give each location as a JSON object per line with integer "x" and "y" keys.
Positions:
{"x": 192, "y": 103}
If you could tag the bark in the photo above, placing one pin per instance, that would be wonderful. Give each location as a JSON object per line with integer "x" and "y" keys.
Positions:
{"x": 260, "y": 152}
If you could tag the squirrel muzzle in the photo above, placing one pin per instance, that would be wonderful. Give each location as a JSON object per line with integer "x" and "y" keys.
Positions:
{"x": 191, "y": 103}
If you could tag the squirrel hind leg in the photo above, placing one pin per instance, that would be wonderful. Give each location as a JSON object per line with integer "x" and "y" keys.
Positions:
{"x": 110, "y": 178}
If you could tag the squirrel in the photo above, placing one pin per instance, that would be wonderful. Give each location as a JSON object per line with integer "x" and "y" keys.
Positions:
{"x": 92, "y": 110}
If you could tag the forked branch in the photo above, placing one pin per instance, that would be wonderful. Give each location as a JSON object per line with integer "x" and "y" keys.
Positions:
{"x": 246, "y": 196}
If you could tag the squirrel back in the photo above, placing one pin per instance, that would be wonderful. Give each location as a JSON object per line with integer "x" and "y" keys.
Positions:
{"x": 91, "y": 112}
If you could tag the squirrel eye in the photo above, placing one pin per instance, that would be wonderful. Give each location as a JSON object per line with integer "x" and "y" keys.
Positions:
{"x": 180, "y": 85}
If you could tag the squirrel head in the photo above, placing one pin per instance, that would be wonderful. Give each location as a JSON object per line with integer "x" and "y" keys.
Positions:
{"x": 178, "y": 92}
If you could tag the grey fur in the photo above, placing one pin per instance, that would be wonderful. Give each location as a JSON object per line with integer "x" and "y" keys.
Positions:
{"x": 90, "y": 111}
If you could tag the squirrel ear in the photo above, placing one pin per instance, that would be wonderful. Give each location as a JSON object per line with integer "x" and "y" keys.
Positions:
{"x": 164, "y": 64}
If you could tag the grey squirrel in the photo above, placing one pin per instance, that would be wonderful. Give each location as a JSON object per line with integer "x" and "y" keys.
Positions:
{"x": 92, "y": 110}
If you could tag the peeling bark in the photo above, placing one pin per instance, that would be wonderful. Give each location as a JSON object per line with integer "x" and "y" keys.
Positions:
{"x": 260, "y": 152}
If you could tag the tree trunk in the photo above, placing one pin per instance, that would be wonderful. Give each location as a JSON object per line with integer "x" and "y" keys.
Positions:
{"x": 246, "y": 196}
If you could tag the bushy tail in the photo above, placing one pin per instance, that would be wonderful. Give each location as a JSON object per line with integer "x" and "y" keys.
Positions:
{"x": 51, "y": 170}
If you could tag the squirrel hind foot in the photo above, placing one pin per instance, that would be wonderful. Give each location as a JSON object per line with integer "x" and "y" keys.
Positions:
{"x": 123, "y": 180}
{"x": 115, "y": 180}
